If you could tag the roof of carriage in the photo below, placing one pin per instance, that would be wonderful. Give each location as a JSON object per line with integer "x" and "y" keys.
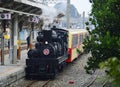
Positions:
{"x": 71, "y": 31}
{"x": 75, "y": 31}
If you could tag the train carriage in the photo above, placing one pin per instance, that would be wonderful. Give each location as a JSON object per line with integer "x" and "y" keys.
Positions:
{"x": 75, "y": 39}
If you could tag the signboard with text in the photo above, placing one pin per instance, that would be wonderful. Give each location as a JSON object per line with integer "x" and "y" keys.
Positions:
{"x": 5, "y": 16}
{"x": 33, "y": 19}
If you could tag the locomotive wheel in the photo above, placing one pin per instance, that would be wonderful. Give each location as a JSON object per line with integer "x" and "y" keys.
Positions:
{"x": 54, "y": 74}
{"x": 60, "y": 68}
{"x": 28, "y": 77}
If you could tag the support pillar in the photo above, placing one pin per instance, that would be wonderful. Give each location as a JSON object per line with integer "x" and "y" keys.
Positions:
{"x": 20, "y": 24}
{"x": 31, "y": 35}
{"x": 2, "y": 42}
{"x": 11, "y": 44}
{"x": 15, "y": 29}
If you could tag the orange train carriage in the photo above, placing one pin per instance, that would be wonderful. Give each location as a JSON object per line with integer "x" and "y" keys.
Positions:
{"x": 75, "y": 42}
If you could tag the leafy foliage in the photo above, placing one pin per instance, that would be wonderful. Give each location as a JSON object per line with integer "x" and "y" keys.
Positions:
{"x": 104, "y": 41}
{"x": 101, "y": 49}
{"x": 78, "y": 51}
{"x": 112, "y": 66}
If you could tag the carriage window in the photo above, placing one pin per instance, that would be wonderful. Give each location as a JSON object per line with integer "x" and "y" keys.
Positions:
{"x": 74, "y": 41}
{"x": 81, "y": 38}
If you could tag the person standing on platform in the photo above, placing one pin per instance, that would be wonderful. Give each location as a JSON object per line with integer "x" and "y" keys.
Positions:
{"x": 28, "y": 42}
{"x": 8, "y": 43}
{"x": 7, "y": 38}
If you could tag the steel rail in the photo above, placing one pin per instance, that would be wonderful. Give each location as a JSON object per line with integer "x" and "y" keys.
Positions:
{"x": 45, "y": 83}
{"x": 92, "y": 81}
{"x": 35, "y": 81}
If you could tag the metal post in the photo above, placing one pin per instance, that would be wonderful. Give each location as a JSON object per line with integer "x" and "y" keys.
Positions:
{"x": 2, "y": 42}
{"x": 19, "y": 40}
{"x": 32, "y": 27}
{"x": 19, "y": 47}
{"x": 10, "y": 44}
{"x": 2, "y": 49}
{"x": 68, "y": 14}
{"x": 83, "y": 20}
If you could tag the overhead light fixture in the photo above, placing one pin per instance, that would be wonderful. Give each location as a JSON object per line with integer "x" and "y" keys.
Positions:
{"x": 28, "y": 15}
{"x": 11, "y": 12}
{"x": 1, "y": 10}
{"x": 20, "y": 14}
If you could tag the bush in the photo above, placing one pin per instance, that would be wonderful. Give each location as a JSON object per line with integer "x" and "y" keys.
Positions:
{"x": 112, "y": 67}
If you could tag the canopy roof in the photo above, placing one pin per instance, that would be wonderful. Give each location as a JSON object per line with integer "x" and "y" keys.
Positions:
{"x": 29, "y": 8}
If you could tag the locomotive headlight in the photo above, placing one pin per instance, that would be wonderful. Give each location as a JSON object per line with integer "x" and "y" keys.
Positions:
{"x": 46, "y": 42}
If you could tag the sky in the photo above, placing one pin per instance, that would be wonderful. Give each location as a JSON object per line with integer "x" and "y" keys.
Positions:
{"x": 82, "y": 5}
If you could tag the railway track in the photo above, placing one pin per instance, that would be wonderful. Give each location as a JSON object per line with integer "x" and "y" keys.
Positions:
{"x": 45, "y": 84}
{"x": 93, "y": 82}
{"x": 31, "y": 83}
{"x": 37, "y": 83}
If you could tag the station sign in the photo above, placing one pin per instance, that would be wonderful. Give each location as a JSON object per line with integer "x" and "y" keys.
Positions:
{"x": 34, "y": 19}
{"x": 5, "y": 16}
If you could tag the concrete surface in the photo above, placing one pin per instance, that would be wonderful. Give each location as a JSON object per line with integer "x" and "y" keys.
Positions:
{"x": 10, "y": 73}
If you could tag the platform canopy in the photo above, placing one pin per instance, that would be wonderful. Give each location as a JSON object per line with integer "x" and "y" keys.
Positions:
{"x": 27, "y": 7}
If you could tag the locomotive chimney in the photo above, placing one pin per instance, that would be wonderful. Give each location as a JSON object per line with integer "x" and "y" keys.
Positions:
{"x": 47, "y": 35}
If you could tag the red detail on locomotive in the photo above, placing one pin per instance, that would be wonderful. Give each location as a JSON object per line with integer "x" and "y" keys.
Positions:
{"x": 46, "y": 51}
{"x": 70, "y": 55}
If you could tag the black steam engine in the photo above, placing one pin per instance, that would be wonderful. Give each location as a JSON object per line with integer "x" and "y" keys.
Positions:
{"x": 49, "y": 55}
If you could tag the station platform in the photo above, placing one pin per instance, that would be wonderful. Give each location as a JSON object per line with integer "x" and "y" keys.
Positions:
{"x": 10, "y": 73}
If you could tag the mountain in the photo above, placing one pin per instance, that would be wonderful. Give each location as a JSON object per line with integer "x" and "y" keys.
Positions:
{"x": 62, "y": 8}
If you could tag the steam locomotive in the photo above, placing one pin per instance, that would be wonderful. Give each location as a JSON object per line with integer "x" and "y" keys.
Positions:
{"x": 54, "y": 48}
{"x": 49, "y": 54}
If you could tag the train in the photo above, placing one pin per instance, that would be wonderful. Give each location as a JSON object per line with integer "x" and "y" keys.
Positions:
{"x": 53, "y": 49}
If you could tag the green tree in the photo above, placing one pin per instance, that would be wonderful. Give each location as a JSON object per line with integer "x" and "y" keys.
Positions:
{"x": 104, "y": 40}
{"x": 112, "y": 66}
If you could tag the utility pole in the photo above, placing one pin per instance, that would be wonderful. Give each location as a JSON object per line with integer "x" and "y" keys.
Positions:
{"x": 83, "y": 19}
{"x": 68, "y": 14}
